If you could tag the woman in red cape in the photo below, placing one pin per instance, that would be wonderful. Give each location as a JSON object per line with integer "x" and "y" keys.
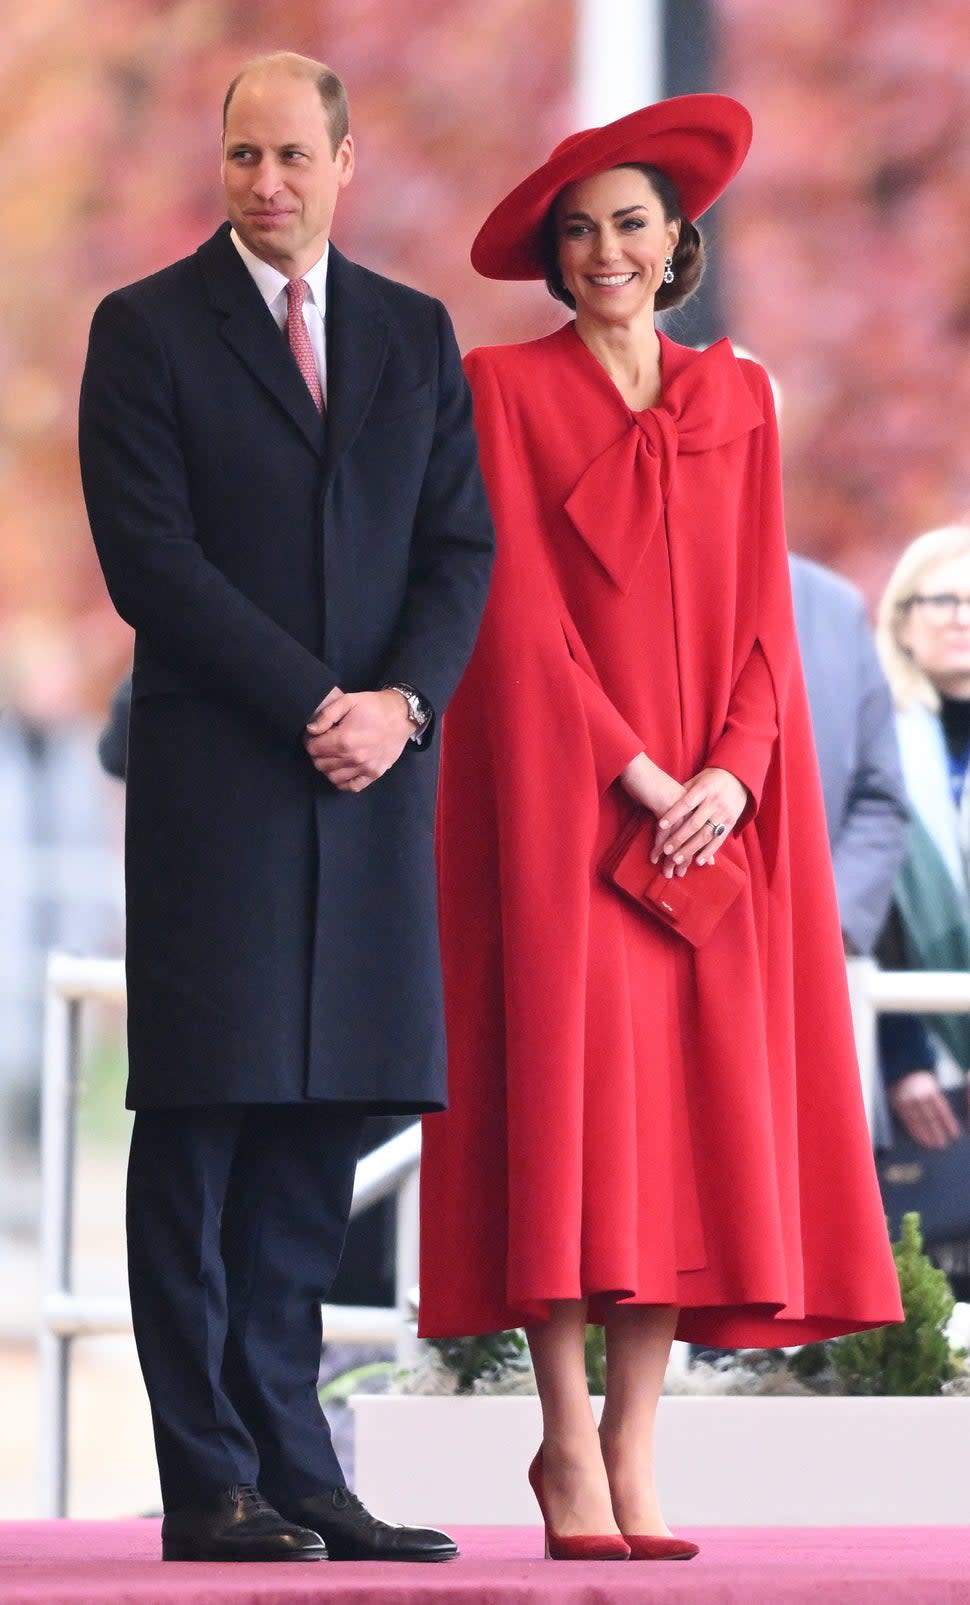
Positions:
{"x": 666, "y": 1139}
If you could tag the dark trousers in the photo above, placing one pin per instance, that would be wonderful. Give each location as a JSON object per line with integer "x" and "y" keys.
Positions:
{"x": 236, "y": 1220}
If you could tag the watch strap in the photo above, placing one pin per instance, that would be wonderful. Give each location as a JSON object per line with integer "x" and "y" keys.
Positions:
{"x": 419, "y": 711}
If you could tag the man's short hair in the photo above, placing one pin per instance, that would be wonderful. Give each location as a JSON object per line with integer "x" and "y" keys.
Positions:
{"x": 330, "y": 88}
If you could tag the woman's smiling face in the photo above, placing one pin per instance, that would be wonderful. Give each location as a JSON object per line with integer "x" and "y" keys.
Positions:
{"x": 613, "y": 238}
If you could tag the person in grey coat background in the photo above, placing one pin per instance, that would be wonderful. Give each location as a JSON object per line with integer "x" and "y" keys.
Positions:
{"x": 854, "y": 725}
{"x": 281, "y": 475}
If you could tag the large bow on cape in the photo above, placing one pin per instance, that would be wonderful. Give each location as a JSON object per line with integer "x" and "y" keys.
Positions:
{"x": 617, "y": 505}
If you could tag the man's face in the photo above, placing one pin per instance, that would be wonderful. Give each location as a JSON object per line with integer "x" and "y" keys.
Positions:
{"x": 279, "y": 173}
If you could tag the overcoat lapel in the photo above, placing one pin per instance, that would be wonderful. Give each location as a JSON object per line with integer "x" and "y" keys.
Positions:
{"x": 249, "y": 328}
{"x": 357, "y": 338}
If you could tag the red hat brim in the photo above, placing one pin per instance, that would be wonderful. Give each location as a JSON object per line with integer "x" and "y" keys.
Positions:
{"x": 699, "y": 141}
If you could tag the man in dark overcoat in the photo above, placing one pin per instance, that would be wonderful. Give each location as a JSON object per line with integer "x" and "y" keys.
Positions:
{"x": 282, "y": 482}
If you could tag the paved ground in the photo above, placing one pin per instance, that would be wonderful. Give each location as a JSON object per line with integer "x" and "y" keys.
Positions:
{"x": 112, "y": 1467}
{"x": 112, "y": 1470}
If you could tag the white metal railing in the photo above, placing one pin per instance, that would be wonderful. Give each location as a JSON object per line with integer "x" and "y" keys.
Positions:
{"x": 873, "y": 992}
{"x": 392, "y": 1168}
{"x": 66, "y": 1314}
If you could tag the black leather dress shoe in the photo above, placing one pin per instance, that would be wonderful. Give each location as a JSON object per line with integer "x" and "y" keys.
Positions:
{"x": 350, "y": 1532}
{"x": 236, "y": 1524}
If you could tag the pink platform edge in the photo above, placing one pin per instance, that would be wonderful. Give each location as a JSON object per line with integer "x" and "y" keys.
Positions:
{"x": 95, "y": 1562}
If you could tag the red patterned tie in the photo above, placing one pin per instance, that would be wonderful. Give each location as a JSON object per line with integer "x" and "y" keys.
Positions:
{"x": 297, "y": 291}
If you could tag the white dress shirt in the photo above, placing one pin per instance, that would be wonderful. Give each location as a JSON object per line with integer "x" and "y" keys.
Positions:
{"x": 271, "y": 285}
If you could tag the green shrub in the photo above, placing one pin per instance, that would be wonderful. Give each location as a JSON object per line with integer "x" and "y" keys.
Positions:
{"x": 912, "y": 1357}
{"x": 596, "y": 1359}
{"x": 481, "y": 1360}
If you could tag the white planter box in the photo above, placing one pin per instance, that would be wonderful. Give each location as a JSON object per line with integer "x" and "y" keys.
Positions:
{"x": 720, "y": 1461}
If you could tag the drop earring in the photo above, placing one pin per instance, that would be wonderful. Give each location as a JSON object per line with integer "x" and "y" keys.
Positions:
{"x": 668, "y": 270}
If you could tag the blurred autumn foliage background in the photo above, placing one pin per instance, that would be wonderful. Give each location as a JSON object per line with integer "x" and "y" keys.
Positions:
{"x": 845, "y": 262}
{"x": 110, "y": 120}
{"x": 849, "y": 261}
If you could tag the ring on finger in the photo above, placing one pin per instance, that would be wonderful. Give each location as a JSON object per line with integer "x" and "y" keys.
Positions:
{"x": 716, "y": 830}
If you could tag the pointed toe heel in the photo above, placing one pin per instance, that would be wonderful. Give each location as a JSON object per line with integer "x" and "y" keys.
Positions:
{"x": 643, "y": 1546}
{"x": 578, "y": 1546}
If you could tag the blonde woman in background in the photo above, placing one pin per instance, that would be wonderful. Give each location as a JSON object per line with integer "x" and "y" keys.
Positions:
{"x": 923, "y": 637}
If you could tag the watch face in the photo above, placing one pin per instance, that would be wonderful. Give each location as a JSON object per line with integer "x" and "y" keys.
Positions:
{"x": 419, "y": 709}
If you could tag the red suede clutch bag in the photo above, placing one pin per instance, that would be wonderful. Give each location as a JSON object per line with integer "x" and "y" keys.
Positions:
{"x": 691, "y": 904}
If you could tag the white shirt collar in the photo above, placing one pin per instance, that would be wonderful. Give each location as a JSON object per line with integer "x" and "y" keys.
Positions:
{"x": 271, "y": 283}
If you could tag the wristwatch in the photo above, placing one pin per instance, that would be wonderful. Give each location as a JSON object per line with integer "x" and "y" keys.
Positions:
{"x": 419, "y": 709}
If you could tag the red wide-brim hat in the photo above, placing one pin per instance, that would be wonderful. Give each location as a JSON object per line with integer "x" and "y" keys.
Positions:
{"x": 699, "y": 141}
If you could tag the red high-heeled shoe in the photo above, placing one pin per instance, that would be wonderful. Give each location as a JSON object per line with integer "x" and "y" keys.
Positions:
{"x": 645, "y": 1547}
{"x": 579, "y": 1546}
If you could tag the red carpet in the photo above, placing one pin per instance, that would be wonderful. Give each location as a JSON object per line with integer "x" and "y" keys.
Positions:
{"x": 116, "y": 1563}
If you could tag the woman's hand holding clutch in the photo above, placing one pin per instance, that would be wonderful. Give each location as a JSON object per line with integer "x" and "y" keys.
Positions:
{"x": 694, "y": 825}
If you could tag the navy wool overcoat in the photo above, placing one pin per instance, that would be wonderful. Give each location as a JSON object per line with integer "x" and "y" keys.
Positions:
{"x": 282, "y": 935}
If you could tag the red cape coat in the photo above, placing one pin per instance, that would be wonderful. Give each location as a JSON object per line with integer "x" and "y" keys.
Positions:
{"x": 629, "y": 1116}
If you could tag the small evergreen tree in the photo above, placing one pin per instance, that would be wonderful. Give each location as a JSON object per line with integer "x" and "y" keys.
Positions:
{"x": 913, "y": 1357}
